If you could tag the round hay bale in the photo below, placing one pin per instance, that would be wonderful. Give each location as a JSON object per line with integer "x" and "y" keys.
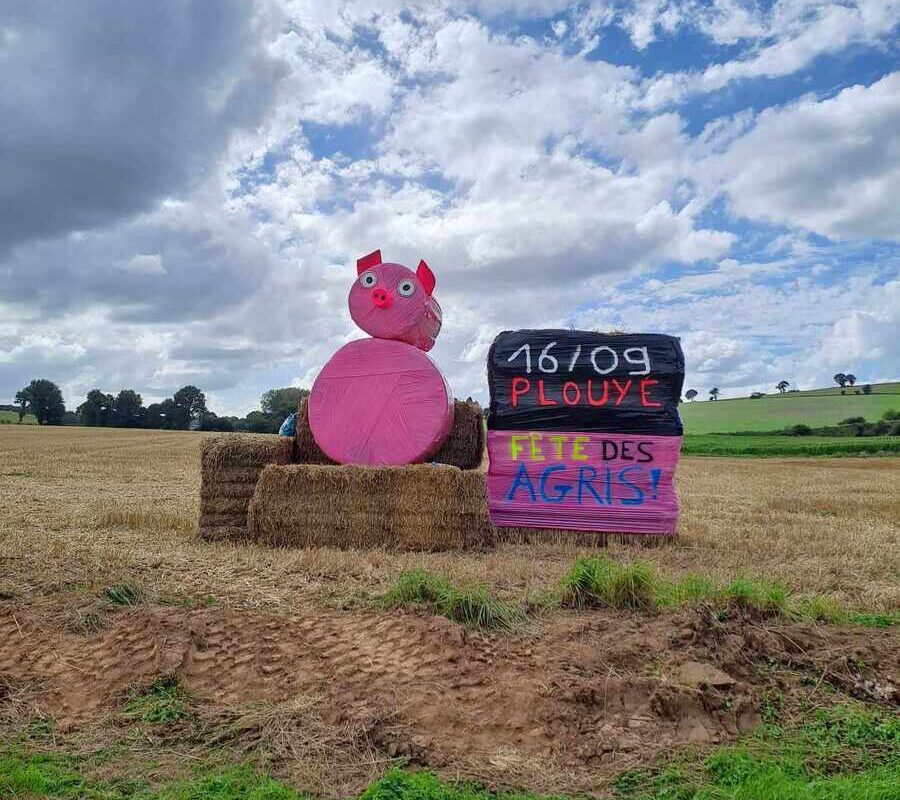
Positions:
{"x": 379, "y": 402}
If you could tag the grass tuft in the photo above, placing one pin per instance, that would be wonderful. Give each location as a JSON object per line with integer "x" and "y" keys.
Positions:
{"x": 474, "y": 606}
{"x": 601, "y": 582}
{"x": 124, "y": 594}
{"x": 161, "y": 704}
{"x": 768, "y": 599}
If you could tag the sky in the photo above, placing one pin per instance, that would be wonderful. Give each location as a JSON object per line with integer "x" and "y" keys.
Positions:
{"x": 185, "y": 187}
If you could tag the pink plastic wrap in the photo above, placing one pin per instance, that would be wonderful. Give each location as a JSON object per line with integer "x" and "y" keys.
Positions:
{"x": 381, "y": 403}
{"x": 389, "y": 301}
{"x": 621, "y": 483}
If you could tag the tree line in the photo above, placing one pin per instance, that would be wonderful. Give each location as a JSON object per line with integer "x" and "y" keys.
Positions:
{"x": 841, "y": 379}
{"x": 185, "y": 409}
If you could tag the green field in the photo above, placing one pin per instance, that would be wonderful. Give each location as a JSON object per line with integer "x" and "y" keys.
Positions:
{"x": 719, "y": 444}
{"x": 775, "y": 412}
{"x": 11, "y": 417}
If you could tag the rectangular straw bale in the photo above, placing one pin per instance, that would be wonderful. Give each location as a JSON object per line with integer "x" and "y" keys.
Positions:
{"x": 464, "y": 447}
{"x": 228, "y": 450}
{"x": 419, "y": 507}
{"x": 230, "y": 465}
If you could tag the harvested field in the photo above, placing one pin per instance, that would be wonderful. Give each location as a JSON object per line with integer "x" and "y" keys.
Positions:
{"x": 285, "y": 658}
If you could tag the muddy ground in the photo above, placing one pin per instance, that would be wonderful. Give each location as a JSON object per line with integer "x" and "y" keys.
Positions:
{"x": 578, "y": 700}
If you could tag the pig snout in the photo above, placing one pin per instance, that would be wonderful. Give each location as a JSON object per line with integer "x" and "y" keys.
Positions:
{"x": 381, "y": 298}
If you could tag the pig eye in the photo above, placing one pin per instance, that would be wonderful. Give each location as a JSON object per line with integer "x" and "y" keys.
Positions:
{"x": 406, "y": 288}
{"x": 369, "y": 279}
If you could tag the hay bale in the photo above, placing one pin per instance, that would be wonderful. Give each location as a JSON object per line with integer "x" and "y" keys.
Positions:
{"x": 464, "y": 447}
{"x": 305, "y": 448}
{"x": 227, "y": 450}
{"x": 419, "y": 507}
{"x": 230, "y": 465}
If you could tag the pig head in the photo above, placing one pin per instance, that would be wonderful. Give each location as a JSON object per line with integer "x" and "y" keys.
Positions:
{"x": 390, "y": 301}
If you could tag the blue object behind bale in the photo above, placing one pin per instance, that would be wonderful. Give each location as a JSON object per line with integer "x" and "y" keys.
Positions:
{"x": 288, "y": 426}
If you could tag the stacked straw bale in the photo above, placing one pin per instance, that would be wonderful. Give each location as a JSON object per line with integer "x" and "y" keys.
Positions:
{"x": 464, "y": 447}
{"x": 230, "y": 465}
{"x": 419, "y": 507}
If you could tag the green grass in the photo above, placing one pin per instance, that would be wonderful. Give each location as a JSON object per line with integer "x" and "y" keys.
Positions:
{"x": 843, "y": 753}
{"x": 474, "y": 606}
{"x": 774, "y": 412}
{"x": 125, "y": 594}
{"x": 12, "y": 418}
{"x": 160, "y": 704}
{"x": 601, "y": 582}
{"x": 717, "y": 444}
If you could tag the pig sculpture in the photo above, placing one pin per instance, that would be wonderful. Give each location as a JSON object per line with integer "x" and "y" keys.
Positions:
{"x": 383, "y": 401}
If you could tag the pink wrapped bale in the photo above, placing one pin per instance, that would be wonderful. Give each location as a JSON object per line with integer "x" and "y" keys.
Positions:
{"x": 586, "y": 481}
{"x": 390, "y": 301}
{"x": 380, "y": 402}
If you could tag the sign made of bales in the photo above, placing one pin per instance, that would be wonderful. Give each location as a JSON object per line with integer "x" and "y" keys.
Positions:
{"x": 584, "y": 431}
{"x": 382, "y": 401}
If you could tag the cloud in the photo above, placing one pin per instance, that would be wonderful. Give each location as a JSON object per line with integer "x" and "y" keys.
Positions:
{"x": 236, "y": 158}
{"x": 788, "y": 39}
{"x": 829, "y": 166}
{"x": 110, "y": 105}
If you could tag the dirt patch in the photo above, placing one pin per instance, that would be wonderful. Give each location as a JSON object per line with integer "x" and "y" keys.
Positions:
{"x": 592, "y": 695}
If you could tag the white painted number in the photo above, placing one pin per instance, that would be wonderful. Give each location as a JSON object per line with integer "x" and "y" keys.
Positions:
{"x": 525, "y": 348}
{"x": 612, "y": 366}
{"x": 546, "y": 357}
{"x": 643, "y": 358}
{"x": 636, "y": 356}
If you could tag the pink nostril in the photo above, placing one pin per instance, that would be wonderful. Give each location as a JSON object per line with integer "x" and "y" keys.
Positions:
{"x": 381, "y": 298}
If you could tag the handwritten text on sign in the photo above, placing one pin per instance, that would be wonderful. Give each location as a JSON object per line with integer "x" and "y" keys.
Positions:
{"x": 550, "y": 479}
{"x": 562, "y": 380}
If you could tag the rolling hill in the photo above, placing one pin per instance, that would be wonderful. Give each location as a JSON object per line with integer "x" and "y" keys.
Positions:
{"x": 778, "y": 411}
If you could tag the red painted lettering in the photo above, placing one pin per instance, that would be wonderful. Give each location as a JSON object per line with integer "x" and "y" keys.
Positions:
{"x": 542, "y": 400}
{"x": 646, "y": 401}
{"x": 566, "y": 392}
{"x": 520, "y": 386}
{"x": 622, "y": 391}
{"x": 590, "y": 396}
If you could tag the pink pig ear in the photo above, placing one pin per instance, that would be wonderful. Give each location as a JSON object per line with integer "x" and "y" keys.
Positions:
{"x": 426, "y": 277}
{"x": 367, "y": 262}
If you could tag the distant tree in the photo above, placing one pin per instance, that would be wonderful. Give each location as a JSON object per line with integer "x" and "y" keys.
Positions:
{"x": 260, "y": 422}
{"x": 97, "y": 409}
{"x": 192, "y": 400}
{"x": 211, "y": 422}
{"x": 690, "y": 394}
{"x": 22, "y": 403}
{"x": 851, "y": 378}
{"x": 714, "y": 394}
{"x": 840, "y": 379}
{"x": 43, "y": 399}
{"x": 128, "y": 409}
{"x": 782, "y": 386}
{"x": 167, "y": 415}
{"x": 867, "y": 389}
{"x": 282, "y": 402}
